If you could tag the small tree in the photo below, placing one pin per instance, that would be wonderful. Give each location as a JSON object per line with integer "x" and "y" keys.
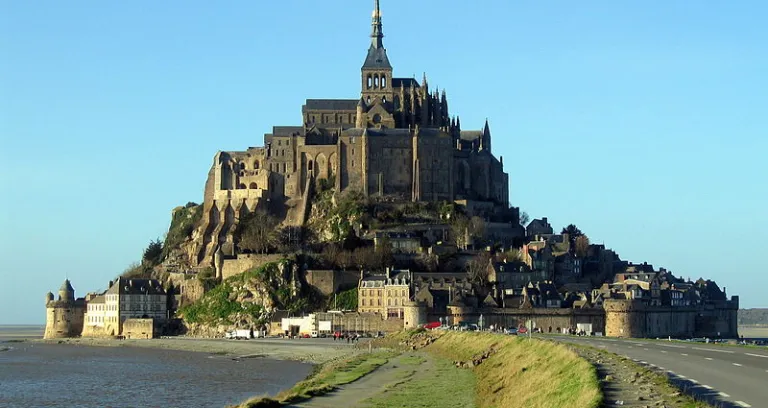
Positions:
{"x": 524, "y": 218}
{"x": 582, "y": 246}
{"x": 573, "y": 233}
{"x": 258, "y": 232}
{"x": 477, "y": 269}
{"x": 459, "y": 229}
{"x": 153, "y": 253}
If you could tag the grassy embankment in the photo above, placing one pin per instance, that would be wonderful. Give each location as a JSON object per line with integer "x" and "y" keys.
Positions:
{"x": 326, "y": 378}
{"x": 518, "y": 373}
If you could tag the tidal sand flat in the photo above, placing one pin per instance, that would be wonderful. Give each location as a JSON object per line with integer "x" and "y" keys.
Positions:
{"x": 73, "y": 375}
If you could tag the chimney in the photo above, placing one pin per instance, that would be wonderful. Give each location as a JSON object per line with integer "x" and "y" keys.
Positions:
{"x": 110, "y": 284}
{"x": 545, "y": 220}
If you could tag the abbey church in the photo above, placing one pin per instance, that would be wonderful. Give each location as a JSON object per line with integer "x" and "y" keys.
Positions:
{"x": 396, "y": 141}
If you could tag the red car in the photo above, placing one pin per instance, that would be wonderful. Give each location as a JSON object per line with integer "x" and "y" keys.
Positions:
{"x": 522, "y": 330}
{"x": 433, "y": 325}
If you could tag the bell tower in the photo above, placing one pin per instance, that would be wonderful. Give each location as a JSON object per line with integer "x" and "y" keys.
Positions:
{"x": 376, "y": 79}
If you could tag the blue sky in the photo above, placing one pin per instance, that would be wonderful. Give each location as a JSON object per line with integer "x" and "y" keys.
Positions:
{"x": 641, "y": 122}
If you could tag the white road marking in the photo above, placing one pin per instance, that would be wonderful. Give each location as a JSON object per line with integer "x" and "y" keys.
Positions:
{"x": 683, "y": 354}
{"x": 756, "y": 355}
{"x": 708, "y": 358}
{"x": 737, "y": 364}
{"x": 716, "y": 351}
{"x": 672, "y": 345}
{"x": 724, "y": 395}
{"x": 743, "y": 404}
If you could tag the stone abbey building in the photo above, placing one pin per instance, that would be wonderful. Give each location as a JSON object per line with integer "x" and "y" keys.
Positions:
{"x": 396, "y": 140}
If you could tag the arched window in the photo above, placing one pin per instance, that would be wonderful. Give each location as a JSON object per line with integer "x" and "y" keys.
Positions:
{"x": 253, "y": 186}
{"x": 395, "y": 301}
{"x": 384, "y": 99}
{"x": 389, "y": 302}
{"x": 255, "y": 164}
{"x": 370, "y": 81}
{"x": 241, "y": 186}
{"x": 383, "y": 81}
{"x": 242, "y": 166}
{"x": 368, "y": 100}
{"x": 376, "y": 81}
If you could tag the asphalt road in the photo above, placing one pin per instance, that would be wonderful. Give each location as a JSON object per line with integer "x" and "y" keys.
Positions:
{"x": 726, "y": 376}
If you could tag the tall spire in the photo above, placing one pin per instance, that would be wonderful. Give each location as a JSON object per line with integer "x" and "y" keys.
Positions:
{"x": 376, "y": 32}
{"x": 377, "y": 54}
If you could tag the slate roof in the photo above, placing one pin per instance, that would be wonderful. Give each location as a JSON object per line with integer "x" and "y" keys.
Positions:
{"x": 286, "y": 130}
{"x": 66, "y": 287}
{"x": 377, "y": 58}
{"x": 405, "y": 83}
{"x": 332, "y": 104}
{"x": 136, "y": 287}
{"x": 470, "y": 135}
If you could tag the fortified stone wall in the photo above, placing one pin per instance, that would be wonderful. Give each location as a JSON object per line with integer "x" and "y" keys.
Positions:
{"x": 139, "y": 328}
{"x": 329, "y": 282}
{"x": 245, "y": 262}
{"x": 625, "y": 318}
{"x": 64, "y": 319}
{"x": 414, "y": 315}
{"x": 548, "y": 320}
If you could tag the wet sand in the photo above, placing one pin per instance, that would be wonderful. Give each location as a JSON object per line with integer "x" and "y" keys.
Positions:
{"x": 313, "y": 351}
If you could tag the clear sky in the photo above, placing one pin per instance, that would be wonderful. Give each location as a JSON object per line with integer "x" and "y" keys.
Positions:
{"x": 642, "y": 122}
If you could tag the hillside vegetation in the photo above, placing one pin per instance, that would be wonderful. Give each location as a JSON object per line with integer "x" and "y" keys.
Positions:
{"x": 248, "y": 299}
{"x": 753, "y": 317}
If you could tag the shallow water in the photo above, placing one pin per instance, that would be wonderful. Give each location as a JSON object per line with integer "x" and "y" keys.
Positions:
{"x": 53, "y": 375}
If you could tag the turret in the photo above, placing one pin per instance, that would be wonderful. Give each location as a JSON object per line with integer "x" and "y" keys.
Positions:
{"x": 66, "y": 292}
{"x": 48, "y": 297}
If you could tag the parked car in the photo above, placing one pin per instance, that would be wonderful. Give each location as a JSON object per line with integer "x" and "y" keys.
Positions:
{"x": 522, "y": 330}
{"x": 511, "y": 331}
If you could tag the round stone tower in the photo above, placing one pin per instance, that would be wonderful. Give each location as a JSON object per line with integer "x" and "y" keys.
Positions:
{"x": 624, "y": 318}
{"x": 414, "y": 314}
{"x": 65, "y": 316}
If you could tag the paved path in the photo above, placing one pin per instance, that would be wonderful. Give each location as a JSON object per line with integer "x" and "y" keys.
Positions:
{"x": 726, "y": 376}
{"x": 378, "y": 381}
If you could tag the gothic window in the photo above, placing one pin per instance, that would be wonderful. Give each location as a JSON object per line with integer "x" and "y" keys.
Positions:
{"x": 384, "y": 99}
{"x": 255, "y": 164}
{"x": 383, "y": 81}
{"x": 370, "y": 81}
{"x": 376, "y": 81}
{"x": 368, "y": 100}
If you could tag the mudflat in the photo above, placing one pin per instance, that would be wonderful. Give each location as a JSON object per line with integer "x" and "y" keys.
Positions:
{"x": 315, "y": 351}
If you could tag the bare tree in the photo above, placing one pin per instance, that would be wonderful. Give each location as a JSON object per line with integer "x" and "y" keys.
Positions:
{"x": 460, "y": 230}
{"x": 330, "y": 255}
{"x": 477, "y": 269}
{"x": 258, "y": 232}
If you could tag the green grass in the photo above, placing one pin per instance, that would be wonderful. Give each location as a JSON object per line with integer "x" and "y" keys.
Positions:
{"x": 523, "y": 372}
{"x": 325, "y": 379}
{"x": 444, "y": 386}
